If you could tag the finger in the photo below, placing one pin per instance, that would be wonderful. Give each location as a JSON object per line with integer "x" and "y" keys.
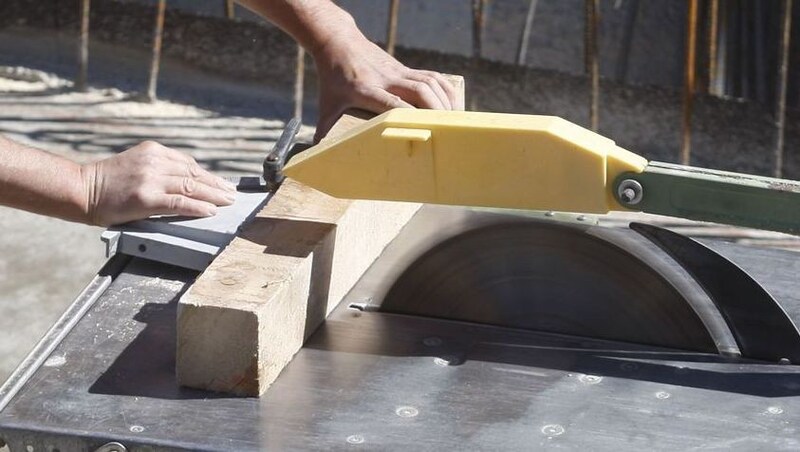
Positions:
{"x": 378, "y": 100}
{"x": 171, "y": 204}
{"x": 417, "y": 93}
{"x": 192, "y": 170}
{"x": 325, "y": 123}
{"x": 449, "y": 89}
{"x": 192, "y": 188}
{"x": 372, "y": 99}
{"x": 193, "y": 167}
{"x": 429, "y": 79}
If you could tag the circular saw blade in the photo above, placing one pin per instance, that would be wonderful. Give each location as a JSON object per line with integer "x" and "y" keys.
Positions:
{"x": 553, "y": 278}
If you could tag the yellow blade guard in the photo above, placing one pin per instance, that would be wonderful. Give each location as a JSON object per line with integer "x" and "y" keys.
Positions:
{"x": 469, "y": 158}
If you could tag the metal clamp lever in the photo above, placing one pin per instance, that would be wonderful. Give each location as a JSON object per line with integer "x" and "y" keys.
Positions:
{"x": 285, "y": 148}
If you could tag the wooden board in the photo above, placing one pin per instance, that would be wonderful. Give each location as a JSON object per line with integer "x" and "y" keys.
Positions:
{"x": 251, "y": 310}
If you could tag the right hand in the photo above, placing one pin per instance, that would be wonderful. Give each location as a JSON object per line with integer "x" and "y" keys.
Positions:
{"x": 151, "y": 179}
{"x": 355, "y": 73}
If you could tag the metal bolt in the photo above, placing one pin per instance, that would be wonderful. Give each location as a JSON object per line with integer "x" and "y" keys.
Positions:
{"x": 136, "y": 429}
{"x": 406, "y": 411}
{"x": 774, "y": 410}
{"x": 113, "y": 446}
{"x": 581, "y": 218}
{"x": 448, "y": 360}
{"x": 590, "y": 379}
{"x": 355, "y": 439}
{"x": 662, "y": 395}
{"x": 55, "y": 361}
{"x": 549, "y": 214}
{"x": 630, "y": 192}
{"x": 553, "y": 430}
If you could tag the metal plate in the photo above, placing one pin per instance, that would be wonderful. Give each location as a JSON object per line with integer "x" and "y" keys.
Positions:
{"x": 760, "y": 325}
{"x": 378, "y": 381}
{"x": 186, "y": 242}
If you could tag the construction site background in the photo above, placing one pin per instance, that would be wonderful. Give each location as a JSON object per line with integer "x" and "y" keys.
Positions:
{"x": 226, "y": 85}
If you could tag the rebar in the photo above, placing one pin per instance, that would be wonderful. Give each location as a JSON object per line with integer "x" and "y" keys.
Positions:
{"x": 478, "y": 11}
{"x": 627, "y": 40}
{"x": 592, "y": 61}
{"x": 713, "y": 26}
{"x": 689, "y": 79}
{"x": 155, "y": 62}
{"x": 81, "y": 81}
{"x": 522, "y": 52}
{"x": 391, "y": 27}
{"x": 783, "y": 79}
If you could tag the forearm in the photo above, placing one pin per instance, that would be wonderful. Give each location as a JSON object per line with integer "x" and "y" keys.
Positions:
{"x": 41, "y": 182}
{"x": 312, "y": 23}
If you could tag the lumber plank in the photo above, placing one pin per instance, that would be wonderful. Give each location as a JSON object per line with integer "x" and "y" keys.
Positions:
{"x": 251, "y": 310}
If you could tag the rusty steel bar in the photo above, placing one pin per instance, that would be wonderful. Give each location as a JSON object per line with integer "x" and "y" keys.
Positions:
{"x": 82, "y": 80}
{"x": 391, "y": 27}
{"x": 299, "y": 79}
{"x": 723, "y": 30}
{"x": 522, "y": 51}
{"x": 230, "y": 9}
{"x": 478, "y": 10}
{"x": 592, "y": 61}
{"x": 689, "y": 79}
{"x": 627, "y": 40}
{"x": 783, "y": 82}
{"x": 158, "y": 32}
{"x": 713, "y": 49}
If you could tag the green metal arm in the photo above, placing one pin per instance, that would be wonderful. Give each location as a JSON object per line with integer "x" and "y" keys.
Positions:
{"x": 709, "y": 195}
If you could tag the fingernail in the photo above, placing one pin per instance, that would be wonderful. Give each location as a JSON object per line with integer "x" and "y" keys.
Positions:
{"x": 211, "y": 211}
{"x": 231, "y": 198}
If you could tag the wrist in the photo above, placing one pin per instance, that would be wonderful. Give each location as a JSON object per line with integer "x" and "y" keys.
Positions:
{"x": 85, "y": 197}
{"x": 339, "y": 27}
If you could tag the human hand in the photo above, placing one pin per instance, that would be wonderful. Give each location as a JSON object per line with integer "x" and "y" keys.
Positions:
{"x": 151, "y": 179}
{"x": 355, "y": 73}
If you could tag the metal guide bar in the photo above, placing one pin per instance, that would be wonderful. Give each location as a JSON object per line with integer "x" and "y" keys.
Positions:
{"x": 716, "y": 196}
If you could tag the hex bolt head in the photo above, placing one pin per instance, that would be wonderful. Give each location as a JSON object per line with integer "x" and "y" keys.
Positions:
{"x": 630, "y": 192}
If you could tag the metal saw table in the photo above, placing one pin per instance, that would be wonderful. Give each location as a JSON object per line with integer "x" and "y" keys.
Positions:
{"x": 103, "y": 378}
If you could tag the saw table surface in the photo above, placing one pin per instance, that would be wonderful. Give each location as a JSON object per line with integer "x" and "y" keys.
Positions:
{"x": 376, "y": 381}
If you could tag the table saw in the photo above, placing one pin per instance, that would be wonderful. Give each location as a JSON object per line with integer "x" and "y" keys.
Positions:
{"x": 478, "y": 329}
